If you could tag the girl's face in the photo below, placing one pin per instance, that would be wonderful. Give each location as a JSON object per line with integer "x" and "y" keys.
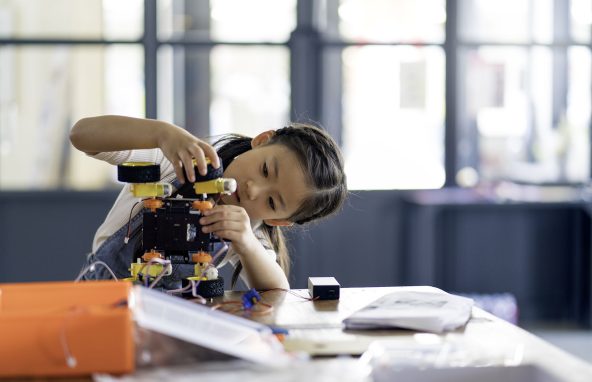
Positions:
{"x": 270, "y": 183}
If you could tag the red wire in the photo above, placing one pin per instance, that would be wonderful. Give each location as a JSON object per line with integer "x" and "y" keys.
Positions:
{"x": 130, "y": 219}
{"x": 291, "y": 292}
{"x": 256, "y": 312}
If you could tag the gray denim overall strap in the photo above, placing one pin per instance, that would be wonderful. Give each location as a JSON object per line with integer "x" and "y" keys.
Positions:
{"x": 115, "y": 252}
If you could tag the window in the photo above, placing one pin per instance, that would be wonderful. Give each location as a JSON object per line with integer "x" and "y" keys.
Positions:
{"x": 393, "y": 121}
{"x": 48, "y": 81}
{"x": 393, "y": 93}
{"x": 228, "y": 72}
{"x": 419, "y": 93}
{"x": 524, "y": 90}
{"x": 247, "y": 89}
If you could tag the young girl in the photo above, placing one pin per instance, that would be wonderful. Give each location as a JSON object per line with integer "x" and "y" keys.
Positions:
{"x": 291, "y": 175}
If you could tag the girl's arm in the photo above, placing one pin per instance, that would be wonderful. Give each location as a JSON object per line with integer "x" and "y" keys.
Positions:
{"x": 115, "y": 133}
{"x": 232, "y": 223}
{"x": 262, "y": 271}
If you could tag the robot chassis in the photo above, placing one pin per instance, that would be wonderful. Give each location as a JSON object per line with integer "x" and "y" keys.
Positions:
{"x": 172, "y": 233}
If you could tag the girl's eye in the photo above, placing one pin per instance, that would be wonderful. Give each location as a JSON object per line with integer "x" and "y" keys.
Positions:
{"x": 265, "y": 171}
{"x": 271, "y": 204}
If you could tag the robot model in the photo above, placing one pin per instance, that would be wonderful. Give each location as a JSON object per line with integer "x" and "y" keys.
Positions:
{"x": 171, "y": 230}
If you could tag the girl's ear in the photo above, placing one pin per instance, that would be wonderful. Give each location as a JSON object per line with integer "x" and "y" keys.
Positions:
{"x": 278, "y": 223}
{"x": 262, "y": 138}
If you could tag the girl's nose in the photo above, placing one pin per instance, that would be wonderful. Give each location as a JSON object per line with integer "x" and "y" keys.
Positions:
{"x": 252, "y": 190}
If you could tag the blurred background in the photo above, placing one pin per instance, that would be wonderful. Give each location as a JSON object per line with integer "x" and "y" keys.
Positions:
{"x": 465, "y": 126}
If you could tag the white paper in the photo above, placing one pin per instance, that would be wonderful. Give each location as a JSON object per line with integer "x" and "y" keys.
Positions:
{"x": 423, "y": 311}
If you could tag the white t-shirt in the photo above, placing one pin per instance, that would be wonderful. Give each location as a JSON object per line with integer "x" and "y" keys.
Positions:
{"x": 119, "y": 214}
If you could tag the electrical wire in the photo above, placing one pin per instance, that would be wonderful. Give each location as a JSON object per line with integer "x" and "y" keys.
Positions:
{"x": 216, "y": 255}
{"x": 193, "y": 286}
{"x": 161, "y": 274}
{"x": 71, "y": 361}
{"x": 91, "y": 268}
{"x": 165, "y": 265}
{"x": 180, "y": 290}
{"x": 147, "y": 265}
{"x": 73, "y": 312}
{"x": 266, "y": 308}
{"x": 127, "y": 236}
{"x": 291, "y": 292}
{"x": 199, "y": 298}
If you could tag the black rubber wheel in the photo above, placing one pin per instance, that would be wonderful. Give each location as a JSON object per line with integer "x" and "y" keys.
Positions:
{"x": 213, "y": 173}
{"x": 208, "y": 288}
{"x": 138, "y": 172}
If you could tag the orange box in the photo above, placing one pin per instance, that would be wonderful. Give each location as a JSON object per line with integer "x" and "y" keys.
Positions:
{"x": 65, "y": 329}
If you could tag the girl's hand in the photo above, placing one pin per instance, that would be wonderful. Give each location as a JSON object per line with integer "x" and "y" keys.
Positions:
{"x": 232, "y": 223}
{"x": 180, "y": 147}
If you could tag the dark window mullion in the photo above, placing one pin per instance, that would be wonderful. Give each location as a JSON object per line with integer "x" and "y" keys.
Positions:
{"x": 330, "y": 101}
{"x": 560, "y": 64}
{"x": 150, "y": 44}
{"x": 451, "y": 50}
{"x": 305, "y": 65}
{"x": 196, "y": 71}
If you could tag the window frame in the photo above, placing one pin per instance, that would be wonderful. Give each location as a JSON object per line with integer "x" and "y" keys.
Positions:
{"x": 315, "y": 75}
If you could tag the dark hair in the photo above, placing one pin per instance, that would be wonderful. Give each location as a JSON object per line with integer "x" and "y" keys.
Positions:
{"x": 322, "y": 163}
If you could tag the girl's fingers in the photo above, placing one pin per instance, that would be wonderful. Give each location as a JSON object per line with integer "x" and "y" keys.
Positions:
{"x": 233, "y": 236}
{"x": 178, "y": 167}
{"x": 200, "y": 158}
{"x": 187, "y": 160}
{"x": 224, "y": 213}
{"x": 211, "y": 153}
{"x": 227, "y": 225}
{"x": 212, "y": 219}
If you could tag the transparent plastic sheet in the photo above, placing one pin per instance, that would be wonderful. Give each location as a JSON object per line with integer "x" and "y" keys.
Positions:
{"x": 175, "y": 337}
{"x": 171, "y": 330}
{"x": 325, "y": 370}
{"x": 154, "y": 349}
{"x": 428, "y": 357}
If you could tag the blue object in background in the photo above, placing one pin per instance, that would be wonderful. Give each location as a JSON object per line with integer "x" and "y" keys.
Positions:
{"x": 250, "y": 298}
{"x": 502, "y": 305}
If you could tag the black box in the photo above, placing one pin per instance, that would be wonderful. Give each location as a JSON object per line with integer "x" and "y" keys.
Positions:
{"x": 323, "y": 288}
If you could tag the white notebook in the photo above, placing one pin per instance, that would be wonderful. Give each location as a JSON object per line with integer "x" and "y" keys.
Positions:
{"x": 422, "y": 311}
